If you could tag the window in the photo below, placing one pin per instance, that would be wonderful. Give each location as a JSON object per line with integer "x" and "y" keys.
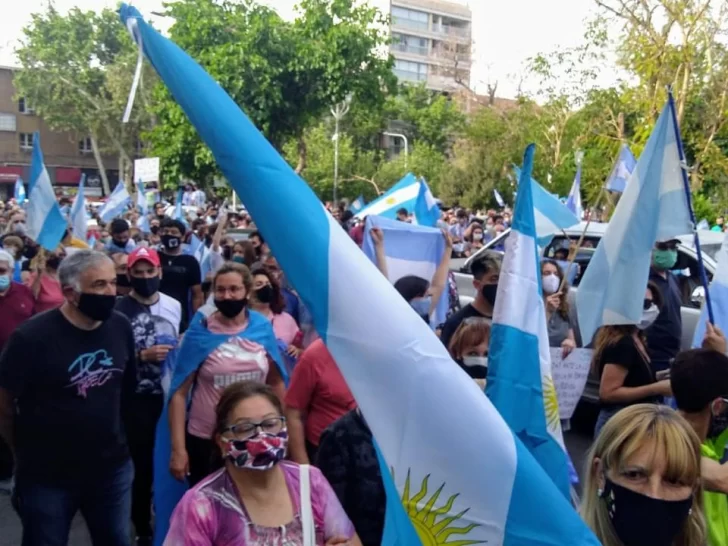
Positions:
{"x": 26, "y": 141}
{"x": 7, "y": 123}
{"x": 24, "y": 107}
{"x": 410, "y": 71}
{"x": 410, "y": 18}
{"x": 410, "y": 44}
{"x": 84, "y": 146}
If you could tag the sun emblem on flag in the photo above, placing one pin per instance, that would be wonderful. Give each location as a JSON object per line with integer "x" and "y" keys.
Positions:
{"x": 434, "y": 524}
{"x": 390, "y": 201}
{"x": 551, "y": 403}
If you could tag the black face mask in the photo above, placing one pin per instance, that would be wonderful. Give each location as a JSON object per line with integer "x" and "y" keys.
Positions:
{"x": 53, "y": 262}
{"x": 640, "y": 520}
{"x": 30, "y": 252}
{"x": 154, "y": 230}
{"x": 227, "y": 252}
{"x": 122, "y": 280}
{"x": 264, "y": 294}
{"x": 145, "y": 287}
{"x": 120, "y": 244}
{"x": 96, "y": 306}
{"x": 171, "y": 242}
{"x": 230, "y": 308}
{"x": 489, "y": 291}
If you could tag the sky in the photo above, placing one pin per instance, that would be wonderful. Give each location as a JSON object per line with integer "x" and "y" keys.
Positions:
{"x": 506, "y": 33}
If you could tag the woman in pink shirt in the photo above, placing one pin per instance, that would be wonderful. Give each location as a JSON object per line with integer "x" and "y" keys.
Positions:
{"x": 236, "y": 359}
{"x": 258, "y": 498}
{"x": 269, "y": 302}
{"x": 43, "y": 282}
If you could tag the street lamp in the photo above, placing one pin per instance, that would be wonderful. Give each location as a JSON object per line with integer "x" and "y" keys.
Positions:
{"x": 579, "y": 157}
{"x": 406, "y": 148}
{"x": 338, "y": 111}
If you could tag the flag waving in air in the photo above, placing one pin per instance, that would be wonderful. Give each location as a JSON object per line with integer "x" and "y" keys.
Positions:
{"x": 573, "y": 203}
{"x": 623, "y": 169}
{"x": 482, "y": 486}
{"x": 19, "y": 192}
{"x": 79, "y": 220}
{"x": 116, "y": 204}
{"x": 46, "y": 224}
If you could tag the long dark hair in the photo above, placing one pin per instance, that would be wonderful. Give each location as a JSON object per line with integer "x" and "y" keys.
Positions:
{"x": 278, "y": 302}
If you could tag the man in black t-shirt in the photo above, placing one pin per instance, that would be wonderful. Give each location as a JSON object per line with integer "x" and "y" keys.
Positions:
{"x": 181, "y": 277}
{"x": 66, "y": 376}
{"x": 486, "y": 272}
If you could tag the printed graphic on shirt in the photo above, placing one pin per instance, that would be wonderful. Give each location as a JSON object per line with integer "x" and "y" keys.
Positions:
{"x": 91, "y": 370}
{"x": 237, "y": 350}
{"x": 150, "y": 330}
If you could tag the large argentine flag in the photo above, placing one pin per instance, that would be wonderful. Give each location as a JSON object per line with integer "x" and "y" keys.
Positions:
{"x": 718, "y": 297}
{"x": 79, "y": 218}
{"x": 520, "y": 383}
{"x": 116, "y": 204}
{"x": 623, "y": 169}
{"x": 551, "y": 215}
{"x": 652, "y": 208}
{"x": 477, "y": 485}
{"x": 402, "y": 195}
{"x": 46, "y": 224}
{"x": 410, "y": 250}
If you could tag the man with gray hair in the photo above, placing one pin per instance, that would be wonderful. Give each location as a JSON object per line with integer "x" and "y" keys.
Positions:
{"x": 65, "y": 379}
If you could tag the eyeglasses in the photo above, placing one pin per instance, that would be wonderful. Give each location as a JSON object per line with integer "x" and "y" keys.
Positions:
{"x": 646, "y": 304}
{"x": 243, "y": 431}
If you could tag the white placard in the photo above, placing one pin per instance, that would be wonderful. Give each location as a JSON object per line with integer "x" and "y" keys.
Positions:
{"x": 146, "y": 169}
{"x": 570, "y": 375}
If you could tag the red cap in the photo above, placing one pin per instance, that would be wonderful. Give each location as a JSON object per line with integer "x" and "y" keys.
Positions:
{"x": 141, "y": 253}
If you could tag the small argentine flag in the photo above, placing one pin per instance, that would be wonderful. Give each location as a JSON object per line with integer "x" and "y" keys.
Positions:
{"x": 117, "y": 203}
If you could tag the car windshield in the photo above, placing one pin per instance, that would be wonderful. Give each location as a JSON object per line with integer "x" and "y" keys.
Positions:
{"x": 711, "y": 249}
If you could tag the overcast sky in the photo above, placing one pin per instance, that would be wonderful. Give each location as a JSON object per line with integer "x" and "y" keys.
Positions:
{"x": 506, "y": 33}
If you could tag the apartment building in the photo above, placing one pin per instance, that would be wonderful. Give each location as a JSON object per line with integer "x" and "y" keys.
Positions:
{"x": 432, "y": 43}
{"x": 67, "y": 155}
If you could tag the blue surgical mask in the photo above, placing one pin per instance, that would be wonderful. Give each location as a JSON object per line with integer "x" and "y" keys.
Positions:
{"x": 422, "y": 305}
{"x": 4, "y": 282}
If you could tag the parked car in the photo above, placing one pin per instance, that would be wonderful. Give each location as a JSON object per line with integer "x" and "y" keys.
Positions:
{"x": 686, "y": 268}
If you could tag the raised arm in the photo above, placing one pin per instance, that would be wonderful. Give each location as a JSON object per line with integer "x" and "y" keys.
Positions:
{"x": 439, "y": 279}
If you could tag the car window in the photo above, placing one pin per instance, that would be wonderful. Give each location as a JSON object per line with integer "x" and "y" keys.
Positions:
{"x": 711, "y": 249}
{"x": 687, "y": 273}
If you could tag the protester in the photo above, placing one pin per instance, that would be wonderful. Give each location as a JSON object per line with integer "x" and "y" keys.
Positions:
{"x": 469, "y": 348}
{"x": 181, "y": 277}
{"x": 267, "y": 300}
{"x": 243, "y": 252}
{"x": 43, "y": 280}
{"x": 623, "y": 365}
{"x": 556, "y": 291}
{"x": 65, "y": 381}
{"x": 259, "y": 246}
{"x": 293, "y": 304}
{"x": 316, "y": 397}
{"x": 663, "y": 337}
{"x": 486, "y": 271}
{"x": 120, "y": 237}
{"x": 643, "y": 480}
{"x": 155, "y": 320}
{"x": 16, "y": 300}
{"x": 256, "y": 498}
{"x": 474, "y": 239}
{"x": 121, "y": 261}
{"x": 14, "y": 246}
{"x": 718, "y": 224}
{"x": 237, "y": 344}
{"x": 348, "y": 460}
{"x": 402, "y": 215}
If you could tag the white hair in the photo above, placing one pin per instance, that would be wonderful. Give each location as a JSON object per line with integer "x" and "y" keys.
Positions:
{"x": 5, "y": 256}
{"x": 73, "y": 266}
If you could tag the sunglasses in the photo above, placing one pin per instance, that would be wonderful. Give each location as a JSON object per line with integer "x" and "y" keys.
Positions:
{"x": 666, "y": 246}
{"x": 646, "y": 304}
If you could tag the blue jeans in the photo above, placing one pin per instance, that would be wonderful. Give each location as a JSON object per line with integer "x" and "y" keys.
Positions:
{"x": 104, "y": 500}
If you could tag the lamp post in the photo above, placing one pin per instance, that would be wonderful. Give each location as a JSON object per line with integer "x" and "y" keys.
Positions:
{"x": 579, "y": 157}
{"x": 406, "y": 147}
{"x": 338, "y": 111}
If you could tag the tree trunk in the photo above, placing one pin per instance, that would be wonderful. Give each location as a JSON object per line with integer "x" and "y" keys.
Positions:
{"x": 100, "y": 165}
{"x": 302, "y": 154}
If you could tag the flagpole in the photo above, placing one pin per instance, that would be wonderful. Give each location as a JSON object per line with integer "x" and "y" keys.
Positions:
{"x": 686, "y": 183}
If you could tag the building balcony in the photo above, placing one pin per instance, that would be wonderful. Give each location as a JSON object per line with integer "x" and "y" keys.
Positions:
{"x": 408, "y": 76}
{"x": 410, "y": 50}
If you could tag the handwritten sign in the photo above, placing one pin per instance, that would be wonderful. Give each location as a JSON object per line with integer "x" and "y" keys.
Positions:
{"x": 570, "y": 375}
{"x": 146, "y": 169}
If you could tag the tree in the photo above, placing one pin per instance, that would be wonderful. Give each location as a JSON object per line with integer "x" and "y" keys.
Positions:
{"x": 76, "y": 72}
{"x": 285, "y": 75}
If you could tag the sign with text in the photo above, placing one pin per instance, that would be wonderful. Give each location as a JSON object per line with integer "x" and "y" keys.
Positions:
{"x": 570, "y": 375}
{"x": 146, "y": 169}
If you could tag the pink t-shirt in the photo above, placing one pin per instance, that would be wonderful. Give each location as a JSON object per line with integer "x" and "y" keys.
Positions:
{"x": 233, "y": 361}
{"x": 284, "y": 326}
{"x": 211, "y": 513}
{"x": 50, "y": 295}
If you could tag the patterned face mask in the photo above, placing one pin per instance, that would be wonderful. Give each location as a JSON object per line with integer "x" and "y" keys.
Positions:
{"x": 260, "y": 452}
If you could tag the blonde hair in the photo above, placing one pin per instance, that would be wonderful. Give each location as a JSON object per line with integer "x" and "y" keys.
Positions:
{"x": 472, "y": 332}
{"x": 623, "y": 436}
{"x": 234, "y": 267}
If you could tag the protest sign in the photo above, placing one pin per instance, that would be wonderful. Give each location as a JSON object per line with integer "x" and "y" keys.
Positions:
{"x": 146, "y": 169}
{"x": 570, "y": 375}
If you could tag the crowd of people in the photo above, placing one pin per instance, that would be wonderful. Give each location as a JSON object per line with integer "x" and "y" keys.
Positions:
{"x": 104, "y": 340}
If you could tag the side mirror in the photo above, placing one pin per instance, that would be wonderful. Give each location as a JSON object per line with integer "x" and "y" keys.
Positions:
{"x": 698, "y": 296}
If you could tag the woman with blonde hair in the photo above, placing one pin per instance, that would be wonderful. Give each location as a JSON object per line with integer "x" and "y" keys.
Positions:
{"x": 642, "y": 483}
{"x": 469, "y": 348}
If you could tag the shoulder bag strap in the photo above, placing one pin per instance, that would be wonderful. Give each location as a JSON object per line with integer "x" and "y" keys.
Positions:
{"x": 309, "y": 536}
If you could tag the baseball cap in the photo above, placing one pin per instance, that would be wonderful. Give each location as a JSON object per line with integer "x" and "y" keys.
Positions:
{"x": 146, "y": 254}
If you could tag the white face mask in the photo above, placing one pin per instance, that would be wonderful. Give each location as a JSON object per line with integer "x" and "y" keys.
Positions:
{"x": 477, "y": 236}
{"x": 472, "y": 361}
{"x": 550, "y": 283}
{"x": 648, "y": 317}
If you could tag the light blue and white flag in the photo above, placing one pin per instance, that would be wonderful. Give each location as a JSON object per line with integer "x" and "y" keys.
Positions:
{"x": 410, "y": 250}
{"x": 718, "y": 296}
{"x": 622, "y": 171}
{"x": 79, "y": 217}
{"x": 143, "y": 208}
{"x": 19, "y": 192}
{"x": 652, "y": 208}
{"x": 498, "y": 198}
{"x": 427, "y": 211}
{"x": 402, "y": 195}
{"x": 178, "y": 212}
{"x": 573, "y": 202}
{"x": 703, "y": 225}
{"x": 357, "y": 204}
{"x": 520, "y": 383}
{"x": 202, "y": 254}
{"x": 46, "y": 224}
{"x": 481, "y": 486}
{"x": 551, "y": 215}
{"x": 116, "y": 204}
